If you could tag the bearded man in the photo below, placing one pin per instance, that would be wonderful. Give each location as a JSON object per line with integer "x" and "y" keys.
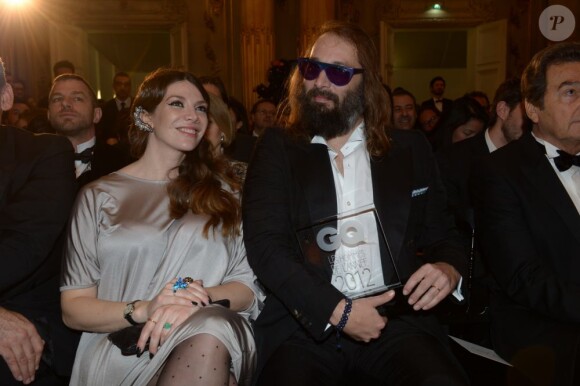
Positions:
{"x": 336, "y": 209}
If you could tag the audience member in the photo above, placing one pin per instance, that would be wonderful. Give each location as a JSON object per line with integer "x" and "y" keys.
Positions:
{"x": 13, "y": 115}
{"x": 240, "y": 116}
{"x": 428, "y": 117}
{"x": 35, "y": 120}
{"x": 113, "y": 127}
{"x": 404, "y": 109}
{"x": 262, "y": 116}
{"x": 214, "y": 85}
{"x": 481, "y": 98}
{"x": 221, "y": 133}
{"x": 63, "y": 67}
{"x": 463, "y": 120}
{"x": 37, "y": 189}
{"x": 155, "y": 243}
{"x": 73, "y": 112}
{"x": 333, "y": 158}
{"x": 527, "y": 200}
{"x": 437, "y": 89}
{"x": 507, "y": 124}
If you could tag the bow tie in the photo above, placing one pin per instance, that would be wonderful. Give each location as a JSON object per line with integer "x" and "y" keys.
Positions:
{"x": 438, "y": 100}
{"x": 85, "y": 156}
{"x": 565, "y": 161}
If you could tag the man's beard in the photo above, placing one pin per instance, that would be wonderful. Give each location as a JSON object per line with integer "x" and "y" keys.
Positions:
{"x": 333, "y": 122}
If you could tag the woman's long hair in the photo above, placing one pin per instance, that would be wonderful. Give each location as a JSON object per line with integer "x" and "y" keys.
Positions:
{"x": 199, "y": 186}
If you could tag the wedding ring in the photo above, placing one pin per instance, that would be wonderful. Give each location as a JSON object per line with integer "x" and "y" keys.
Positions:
{"x": 151, "y": 320}
{"x": 167, "y": 326}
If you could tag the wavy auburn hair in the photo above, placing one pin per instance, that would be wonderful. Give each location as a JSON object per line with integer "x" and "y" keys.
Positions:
{"x": 199, "y": 186}
{"x": 377, "y": 110}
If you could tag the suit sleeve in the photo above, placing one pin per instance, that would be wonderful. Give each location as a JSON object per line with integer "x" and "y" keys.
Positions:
{"x": 271, "y": 242}
{"x": 33, "y": 217}
{"x": 509, "y": 246}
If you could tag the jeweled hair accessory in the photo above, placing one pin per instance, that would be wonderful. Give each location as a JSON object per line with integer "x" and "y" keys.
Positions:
{"x": 139, "y": 122}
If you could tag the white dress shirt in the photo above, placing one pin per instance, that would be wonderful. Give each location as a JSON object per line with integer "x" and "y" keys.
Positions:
{"x": 80, "y": 167}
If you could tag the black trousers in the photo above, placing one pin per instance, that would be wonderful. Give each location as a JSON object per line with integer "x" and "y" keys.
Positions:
{"x": 403, "y": 355}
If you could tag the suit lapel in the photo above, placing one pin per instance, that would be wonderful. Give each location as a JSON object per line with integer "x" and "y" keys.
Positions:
{"x": 537, "y": 169}
{"x": 314, "y": 171}
{"x": 392, "y": 186}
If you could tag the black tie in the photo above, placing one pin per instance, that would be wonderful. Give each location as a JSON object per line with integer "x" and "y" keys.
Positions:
{"x": 565, "y": 161}
{"x": 122, "y": 105}
{"x": 85, "y": 156}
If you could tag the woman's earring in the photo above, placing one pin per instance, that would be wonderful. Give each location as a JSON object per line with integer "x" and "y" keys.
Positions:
{"x": 139, "y": 122}
{"x": 222, "y": 138}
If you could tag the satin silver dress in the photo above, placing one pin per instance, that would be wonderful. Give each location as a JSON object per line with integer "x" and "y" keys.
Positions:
{"x": 123, "y": 241}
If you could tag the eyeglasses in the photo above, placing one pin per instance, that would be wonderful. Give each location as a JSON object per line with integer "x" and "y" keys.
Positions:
{"x": 336, "y": 74}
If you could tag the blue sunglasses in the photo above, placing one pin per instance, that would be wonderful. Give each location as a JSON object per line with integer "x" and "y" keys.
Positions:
{"x": 336, "y": 74}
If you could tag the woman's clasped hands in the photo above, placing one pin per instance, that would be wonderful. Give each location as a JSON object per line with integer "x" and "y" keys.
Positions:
{"x": 179, "y": 299}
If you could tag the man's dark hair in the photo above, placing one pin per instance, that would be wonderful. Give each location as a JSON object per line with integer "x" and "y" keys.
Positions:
{"x": 63, "y": 64}
{"x": 478, "y": 94}
{"x": 121, "y": 73}
{"x": 510, "y": 93}
{"x": 401, "y": 91}
{"x": 534, "y": 76}
{"x": 218, "y": 82}
{"x": 435, "y": 80}
{"x": 64, "y": 77}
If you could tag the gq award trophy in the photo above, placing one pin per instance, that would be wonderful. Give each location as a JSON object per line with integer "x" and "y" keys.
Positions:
{"x": 352, "y": 244}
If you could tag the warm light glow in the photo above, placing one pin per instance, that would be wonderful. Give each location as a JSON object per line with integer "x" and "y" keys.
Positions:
{"x": 437, "y": 6}
{"x": 16, "y": 3}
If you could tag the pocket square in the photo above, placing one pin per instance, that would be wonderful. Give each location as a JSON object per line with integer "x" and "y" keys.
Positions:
{"x": 420, "y": 191}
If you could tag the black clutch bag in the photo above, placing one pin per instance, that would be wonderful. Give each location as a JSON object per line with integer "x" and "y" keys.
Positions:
{"x": 126, "y": 339}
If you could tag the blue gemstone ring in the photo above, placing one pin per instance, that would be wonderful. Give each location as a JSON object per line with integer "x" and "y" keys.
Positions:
{"x": 180, "y": 284}
{"x": 167, "y": 326}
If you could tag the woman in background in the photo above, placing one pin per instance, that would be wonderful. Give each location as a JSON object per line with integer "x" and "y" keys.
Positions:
{"x": 155, "y": 243}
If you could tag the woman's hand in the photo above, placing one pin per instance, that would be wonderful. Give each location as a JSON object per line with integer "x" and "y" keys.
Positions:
{"x": 194, "y": 294}
{"x": 162, "y": 323}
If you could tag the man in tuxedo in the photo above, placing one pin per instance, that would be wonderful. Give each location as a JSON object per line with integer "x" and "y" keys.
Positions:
{"x": 527, "y": 200}
{"x": 318, "y": 325}
{"x": 73, "y": 112}
{"x": 437, "y": 89}
{"x": 507, "y": 123}
{"x": 37, "y": 189}
{"x": 113, "y": 127}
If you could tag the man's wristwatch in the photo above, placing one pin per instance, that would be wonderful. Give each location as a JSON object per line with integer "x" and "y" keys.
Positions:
{"x": 128, "y": 313}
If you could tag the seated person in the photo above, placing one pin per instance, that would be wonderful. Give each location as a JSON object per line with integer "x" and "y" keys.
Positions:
{"x": 37, "y": 190}
{"x": 155, "y": 243}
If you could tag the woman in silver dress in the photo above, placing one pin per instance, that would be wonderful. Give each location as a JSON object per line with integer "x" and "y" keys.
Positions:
{"x": 156, "y": 243}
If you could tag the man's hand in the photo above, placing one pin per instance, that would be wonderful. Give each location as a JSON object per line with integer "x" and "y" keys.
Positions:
{"x": 430, "y": 284}
{"x": 20, "y": 345}
{"x": 364, "y": 322}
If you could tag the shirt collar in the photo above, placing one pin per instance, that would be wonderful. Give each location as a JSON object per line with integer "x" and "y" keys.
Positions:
{"x": 356, "y": 138}
{"x": 551, "y": 150}
{"x": 85, "y": 145}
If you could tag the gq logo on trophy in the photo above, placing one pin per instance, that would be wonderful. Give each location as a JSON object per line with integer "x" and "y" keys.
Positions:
{"x": 354, "y": 247}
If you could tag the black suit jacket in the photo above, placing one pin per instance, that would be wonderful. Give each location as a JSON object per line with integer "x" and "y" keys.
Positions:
{"x": 529, "y": 232}
{"x": 106, "y": 159}
{"x": 114, "y": 123}
{"x": 290, "y": 184}
{"x": 456, "y": 163}
{"x": 37, "y": 189}
{"x": 447, "y": 104}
